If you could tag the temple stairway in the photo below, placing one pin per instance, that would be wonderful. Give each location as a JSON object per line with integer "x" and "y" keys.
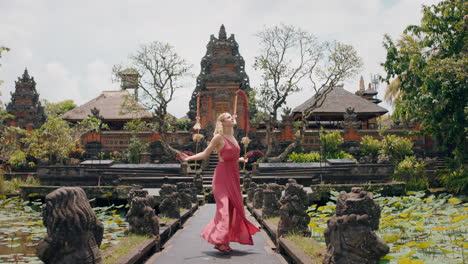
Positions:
{"x": 208, "y": 172}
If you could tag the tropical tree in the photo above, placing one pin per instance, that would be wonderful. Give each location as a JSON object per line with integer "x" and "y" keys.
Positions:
{"x": 430, "y": 63}
{"x": 160, "y": 69}
{"x": 2, "y": 49}
{"x": 291, "y": 59}
{"x": 3, "y": 114}
{"x": 56, "y": 138}
{"x": 58, "y": 108}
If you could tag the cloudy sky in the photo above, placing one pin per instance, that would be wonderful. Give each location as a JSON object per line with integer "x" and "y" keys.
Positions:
{"x": 70, "y": 46}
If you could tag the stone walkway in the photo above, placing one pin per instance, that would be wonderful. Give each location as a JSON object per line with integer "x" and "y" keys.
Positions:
{"x": 187, "y": 247}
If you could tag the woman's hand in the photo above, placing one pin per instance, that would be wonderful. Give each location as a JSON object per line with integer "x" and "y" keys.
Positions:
{"x": 183, "y": 157}
{"x": 244, "y": 160}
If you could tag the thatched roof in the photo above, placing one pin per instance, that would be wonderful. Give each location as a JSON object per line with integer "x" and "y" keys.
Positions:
{"x": 109, "y": 104}
{"x": 338, "y": 100}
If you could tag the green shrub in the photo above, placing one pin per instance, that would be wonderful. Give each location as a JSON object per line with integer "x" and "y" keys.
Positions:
{"x": 304, "y": 157}
{"x": 370, "y": 146}
{"x": 315, "y": 156}
{"x": 413, "y": 173}
{"x": 30, "y": 180}
{"x": 331, "y": 141}
{"x": 135, "y": 148}
{"x": 338, "y": 155}
{"x": 396, "y": 148}
{"x": 456, "y": 180}
{"x": 3, "y": 183}
{"x": 18, "y": 159}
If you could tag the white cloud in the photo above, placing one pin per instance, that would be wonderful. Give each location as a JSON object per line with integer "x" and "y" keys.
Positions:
{"x": 70, "y": 47}
{"x": 97, "y": 79}
{"x": 57, "y": 83}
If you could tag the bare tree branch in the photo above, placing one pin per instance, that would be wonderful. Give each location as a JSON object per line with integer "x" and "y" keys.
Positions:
{"x": 288, "y": 57}
{"x": 160, "y": 68}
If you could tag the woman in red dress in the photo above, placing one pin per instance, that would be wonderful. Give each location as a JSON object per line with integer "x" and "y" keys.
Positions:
{"x": 229, "y": 223}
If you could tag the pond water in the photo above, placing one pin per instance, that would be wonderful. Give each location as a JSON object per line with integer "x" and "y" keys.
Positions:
{"x": 419, "y": 228}
{"x": 21, "y": 228}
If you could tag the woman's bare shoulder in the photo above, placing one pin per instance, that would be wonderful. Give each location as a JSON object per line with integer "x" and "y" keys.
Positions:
{"x": 218, "y": 138}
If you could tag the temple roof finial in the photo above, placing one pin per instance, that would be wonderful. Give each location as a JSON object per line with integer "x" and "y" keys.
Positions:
{"x": 26, "y": 74}
{"x": 222, "y": 33}
{"x": 361, "y": 84}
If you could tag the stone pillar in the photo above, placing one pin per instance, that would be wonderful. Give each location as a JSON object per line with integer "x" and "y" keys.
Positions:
{"x": 293, "y": 215}
{"x": 349, "y": 235}
{"x": 74, "y": 233}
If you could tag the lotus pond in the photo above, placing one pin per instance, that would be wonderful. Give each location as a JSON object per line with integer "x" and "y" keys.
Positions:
{"x": 21, "y": 228}
{"x": 418, "y": 228}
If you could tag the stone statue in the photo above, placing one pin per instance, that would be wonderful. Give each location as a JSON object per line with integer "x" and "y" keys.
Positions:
{"x": 198, "y": 183}
{"x": 349, "y": 235}
{"x": 271, "y": 198}
{"x": 169, "y": 206}
{"x": 258, "y": 196}
{"x": 350, "y": 119}
{"x": 184, "y": 195}
{"x": 293, "y": 216}
{"x": 74, "y": 233}
{"x": 141, "y": 217}
{"x": 246, "y": 181}
{"x": 251, "y": 192}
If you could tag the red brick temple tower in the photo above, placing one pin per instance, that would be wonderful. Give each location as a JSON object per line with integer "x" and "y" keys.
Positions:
{"x": 25, "y": 104}
{"x": 222, "y": 74}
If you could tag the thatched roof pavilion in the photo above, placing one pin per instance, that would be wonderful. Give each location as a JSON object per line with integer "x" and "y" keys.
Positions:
{"x": 111, "y": 106}
{"x": 335, "y": 105}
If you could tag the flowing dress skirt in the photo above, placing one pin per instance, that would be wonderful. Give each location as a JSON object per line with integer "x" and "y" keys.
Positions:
{"x": 229, "y": 223}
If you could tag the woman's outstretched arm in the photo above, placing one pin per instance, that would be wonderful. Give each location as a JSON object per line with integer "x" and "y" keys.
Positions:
{"x": 214, "y": 143}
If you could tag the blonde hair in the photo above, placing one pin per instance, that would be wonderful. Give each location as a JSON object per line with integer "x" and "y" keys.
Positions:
{"x": 219, "y": 124}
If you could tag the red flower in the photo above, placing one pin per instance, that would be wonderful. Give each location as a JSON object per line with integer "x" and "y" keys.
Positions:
{"x": 186, "y": 152}
{"x": 254, "y": 153}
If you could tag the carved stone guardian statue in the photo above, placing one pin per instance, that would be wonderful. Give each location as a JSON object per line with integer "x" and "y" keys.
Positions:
{"x": 271, "y": 198}
{"x": 251, "y": 192}
{"x": 349, "y": 235}
{"x": 74, "y": 233}
{"x": 293, "y": 216}
{"x": 258, "y": 196}
{"x": 141, "y": 217}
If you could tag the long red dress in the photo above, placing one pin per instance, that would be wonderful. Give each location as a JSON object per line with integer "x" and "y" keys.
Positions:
{"x": 229, "y": 223}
